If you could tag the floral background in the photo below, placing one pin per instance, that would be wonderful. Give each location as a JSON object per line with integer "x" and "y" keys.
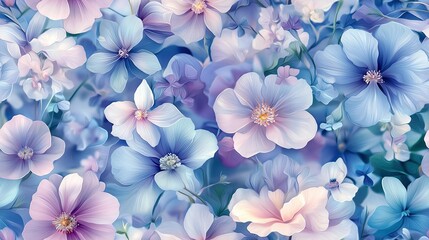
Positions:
{"x": 214, "y": 119}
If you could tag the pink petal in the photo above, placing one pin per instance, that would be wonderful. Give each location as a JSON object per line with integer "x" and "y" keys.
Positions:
{"x": 213, "y": 21}
{"x": 231, "y": 115}
{"x": 13, "y": 134}
{"x": 314, "y": 211}
{"x": 248, "y": 89}
{"x": 221, "y": 5}
{"x": 54, "y": 9}
{"x": 83, "y": 14}
{"x": 165, "y": 115}
{"x": 94, "y": 231}
{"x": 99, "y": 208}
{"x": 286, "y": 229}
{"x": 252, "y": 142}
{"x": 120, "y": 112}
{"x": 125, "y": 130}
{"x": 198, "y": 221}
{"x": 143, "y": 97}
{"x": 45, "y": 205}
{"x": 148, "y": 132}
{"x": 44, "y": 163}
{"x": 38, "y": 137}
{"x": 12, "y": 167}
{"x": 69, "y": 191}
{"x": 292, "y": 208}
{"x": 38, "y": 230}
{"x": 178, "y": 7}
{"x": 295, "y": 131}
{"x": 190, "y": 27}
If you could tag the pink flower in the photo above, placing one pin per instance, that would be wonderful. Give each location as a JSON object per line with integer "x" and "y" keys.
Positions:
{"x": 270, "y": 212}
{"x": 7, "y": 234}
{"x": 287, "y": 75}
{"x": 27, "y": 146}
{"x": 72, "y": 207}
{"x": 128, "y": 116}
{"x": 78, "y": 15}
{"x": 263, "y": 114}
{"x": 190, "y": 17}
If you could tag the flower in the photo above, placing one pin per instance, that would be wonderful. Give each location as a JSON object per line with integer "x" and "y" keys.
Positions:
{"x": 262, "y": 113}
{"x": 156, "y": 20}
{"x": 72, "y": 207}
{"x": 199, "y": 223}
{"x": 269, "y": 211}
{"x": 84, "y": 132}
{"x": 313, "y": 10}
{"x": 190, "y": 17}
{"x": 27, "y": 145}
{"x": 119, "y": 42}
{"x": 287, "y": 75}
{"x": 378, "y": 74}
{"x": 333, "y": 175}
{"x": 406, "y": 207}
{"x": 396, "y": 148}
{"x": 8, "y": 72}
{"x": 171, "y": 162}
{"x": 78, "y": 15}
{"x": 128, "y": 116}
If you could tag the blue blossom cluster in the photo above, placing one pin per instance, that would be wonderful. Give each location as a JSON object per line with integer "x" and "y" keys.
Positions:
{"x": 214, "y": 119}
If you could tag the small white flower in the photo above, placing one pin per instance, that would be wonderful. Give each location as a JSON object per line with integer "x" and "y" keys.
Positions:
{"x": 333, "y": 174}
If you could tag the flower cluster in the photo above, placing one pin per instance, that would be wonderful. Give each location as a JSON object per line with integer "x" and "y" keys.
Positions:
{"x": 214, "y": 119}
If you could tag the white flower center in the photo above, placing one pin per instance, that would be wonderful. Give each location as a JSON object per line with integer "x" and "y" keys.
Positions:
{"x": 264, "y": 115}
{"x": 169, "y": 162}
{"x": 199, "y": 6}
{"x": 25, "y": 153}
{"x": 373, "y": 75}
{"x": 65, "y": 223}
{"x": 123, "y": 53}
{"x": 140, "y": 114}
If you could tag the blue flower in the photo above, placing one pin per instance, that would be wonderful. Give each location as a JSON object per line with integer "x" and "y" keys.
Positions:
{"x": 120, "y": 52}
{"x": 169, "y": 165}
{"x": 379, "y": 74}
{"x": 408, "y": 209}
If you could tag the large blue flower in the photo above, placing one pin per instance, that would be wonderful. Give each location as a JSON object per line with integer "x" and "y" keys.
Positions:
{"x": 406, "y": 209}
{"x": 120, "y": 52}
{"x": 169, "y": 165}
{"x": 379, "y": 74}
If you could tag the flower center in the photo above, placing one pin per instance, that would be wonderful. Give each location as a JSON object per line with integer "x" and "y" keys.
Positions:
{"x": 123, "y": 53}
{"x": 140, "y": 114}
{"x": 333, "y": 183}
{"x": 406, "y": 213}
{"x": 65, "y": 223}
{"x": 263, "y": 115}
{"x": 169, "y": 162}
{"x": 199, "y": 6}
{"x": 25, "y": 153}
{"x": 373, "y": 75}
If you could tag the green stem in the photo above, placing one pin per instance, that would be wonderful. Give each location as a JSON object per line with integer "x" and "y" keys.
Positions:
{"x": 77, "y": 89}
{"x": 197, "y": 196}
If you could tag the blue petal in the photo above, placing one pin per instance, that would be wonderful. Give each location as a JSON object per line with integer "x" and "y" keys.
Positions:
{"x": 418, "y": 222}
{"x": 395, "y": 193}
{"x": 146, "y": 61}
{"x": 102, "y": 62}
{"x": 179, "y": 136}
{"x": 368, "y": 107}
{"x": 170, "y": 180}
{"x": 393, "y": 48}
{"x": 109, "y": 38}
{"x": 361, "y": 48}
{"x": 130, "y": 32}
{"x": 202, "y": 148}
{"x": 129, "y": 167}
{"x": 9, "y": 190}
{"x": 385, "y": 217}
{"x": 418, "y": 195}
{"x": 119, "y": 77}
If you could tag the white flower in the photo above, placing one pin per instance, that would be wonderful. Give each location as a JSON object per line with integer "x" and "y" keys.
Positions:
{"x": 313, "y": 10}
{"x": 333, "y": 174}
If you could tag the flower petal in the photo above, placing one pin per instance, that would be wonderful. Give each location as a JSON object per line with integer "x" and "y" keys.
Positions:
{"x": 198, "y": 220}
{"x": 54, "y": 9}
{"x": 69, "y": 191}
{"x": 143, "y": 97}
{"x": 102, "y": 62}
{"x": 385, "y": 217}
{"x": 213, "y": 21}
{"x": 148, "y": 132}
{"x": 202, "y": 148}
{"x": 183, "y": 23}
{"x": 361, "y": 48}
{"x": 146, "y": 61}
{"x": 368, "y": 107}
{"x": 45, "y": 205}
{"x": 395, "y": 193}
{"x": 13, "y": 134}
{"x": 222, "y": 6}
{"x": 130, "y": 31}
{"x": 252, "y": 142}
{"x": 165, "y": 115}
{"x": 119, "y": 77}
{"x": 119, "y": 112}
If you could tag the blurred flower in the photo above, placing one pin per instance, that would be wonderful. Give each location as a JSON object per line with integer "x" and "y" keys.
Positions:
{"x": 231, "y": 46}
{"x": 227, "y": 153}
{"x": 200, "y": 224}
{"x": 129, "y": 116}
{"x": 396, "y": 148}
{"x": 190, "y": 17}
{"x": 8, "y": 72}
{"x": 83, "y": 132}
{"x": 287, "y": 75}
{"x": 119, "y": 43}
{"x": 313, "y": 10}
{"x": 78, "y": 16}
{"x": 333, "y": 175}
{"x": 261, "y": 114}
{"x": 376, "y": 81}
{"x": 269, "y": 211}
{"x": 27, "y": 146}
{"x": 364, "y": 172}
{"x": 406, "y": 208}
{"x": 7, "y": 234}
{"x": 72, "y": 207}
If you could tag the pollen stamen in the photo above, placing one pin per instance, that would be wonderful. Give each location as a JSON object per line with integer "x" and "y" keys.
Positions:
{"x": 373, "y": 75}
{"x": 264, "y": 115}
